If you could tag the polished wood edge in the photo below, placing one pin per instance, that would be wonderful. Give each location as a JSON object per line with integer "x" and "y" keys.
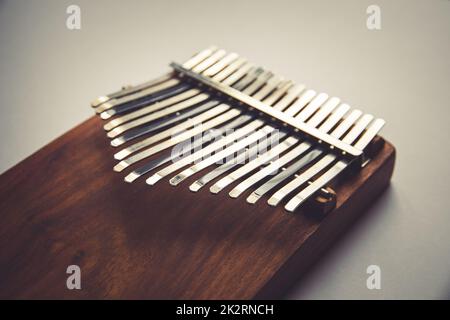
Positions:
{"x": 336, "y": 222}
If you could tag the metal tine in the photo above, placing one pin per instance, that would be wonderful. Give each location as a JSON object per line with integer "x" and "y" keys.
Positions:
{"x": 162, "y": 123}
{"x": 237, "y": 64}
{"x": 221, "y": 64}
{"x": 151, "y": 108}
{"x": 153, "y": 139}
{"x": 96, "y": 104}
{"x": 274, "y": 166}
{"x": 191, "y": 102}
{"x": 249, "y": 153}
{"x": 142, "y": 98}
{"x": 186, "y": 135}
{"x": 236, "y": 147}
{"x": 312, "y": 106}
{"x": 340, "y": 165}
{"x": 173, "y": 118}
{"x": 288, "y": 172}
{"x": 194, "y": 60}
{"x": 290, "y": 96}
{"x": 189, "y": 64}
{"x": 210, "y": 61}
{"x": 177, "y": 103}
{"x": 186, "y": 148}
{"x": 126, "y": 118}
{"x": 218, "y": 145}
{"x": 317, "y": 167}
{"x": 157, "y": 93}
{"x": 165, "y": 97}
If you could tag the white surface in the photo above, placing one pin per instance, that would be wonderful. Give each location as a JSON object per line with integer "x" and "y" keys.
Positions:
{"x": 49, "y": 75}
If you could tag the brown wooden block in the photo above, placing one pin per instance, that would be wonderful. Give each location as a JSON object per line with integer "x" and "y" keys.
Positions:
{"x": 64, "y": 205}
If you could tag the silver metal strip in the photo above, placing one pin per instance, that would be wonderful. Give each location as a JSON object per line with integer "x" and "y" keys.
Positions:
{"x": 106, "y": 109}
{"x": 189, "y": 64}
{"x": 210, "y": 61}
{"x": 290, "y": 96}
{"x": 238, "y": 64}
{"x": 314, "y": 170}
{"x": 222, "y": 154}
{"x": 159, "y": 114}
{"x": 221, "y": 65}
{"x": 301, "y": 102}
{"x": 307, "y": 158}
{"x": 241, "y": 158}
{"x": 245, "y": 169}
{"x": 109, "y": 109}
{"x": 339, "y": 166}
{"x": 305, "y": 113}
{"x": 149, "y": 109}
{"x": 269, "y": 170}
{"x": 301, "y": 179}
{"x": 237, "y": 78}
{"x": 286, "y": 173}
{"x": 252, "y": 126}
{"x": 332, "y": 142}
{"x": 324, "y": 112}
{"x": 367, "y": 137}
{"x": 224, "y": 69}
{"x": 162, "y": 123}
{"x": 216, "y": 68}
{"x": 199, "y": 57}
{"x": 173, "y": 131}
{"x": 146, "y": 153}
{"x": 188, "y": 148}
{"x": 175, "y": 140}
{"x": 227, "y": 140}
{"x": 130, "y": 90}
{"x": 312, "y": 107}
{"x": 146, "y": 128}
{"x": 252, "y": 165}
{"x": 147, "y": 142}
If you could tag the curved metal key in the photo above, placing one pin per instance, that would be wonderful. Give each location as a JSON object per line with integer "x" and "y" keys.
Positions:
{"x": 189, "y": 64}
{"x": 312, "y": 171}
{"x": 307, "y": 158}
{"x": 338, "y": 167}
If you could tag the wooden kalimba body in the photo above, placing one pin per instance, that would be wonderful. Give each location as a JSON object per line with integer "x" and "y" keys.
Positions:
{"x": 237, "y": 181}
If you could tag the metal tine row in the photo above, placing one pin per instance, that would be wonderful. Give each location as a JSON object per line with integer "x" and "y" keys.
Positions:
{"x": 200, "y": 102}
{"x": 177, "y": 103}
{"x": 250, "y": 133}
{"x": 328, "y": 158}
{"x": 160, "y": 90}
{"x": 321, "y": 103}
{"x": 233, "y": 113}
{"x": 254, "y": 80}
{"x": 256, "y": 74}
{"x": 310, "y": 165}
{"x": 250, "y": 83}
{"x": 167, "y": 116}
{"x": 305, "y": 149}
{"x": 338, "y": 166}
{"x": 196, "y": 59}
{"x": 237, "y": 68}
{"x": 253, "y": 138}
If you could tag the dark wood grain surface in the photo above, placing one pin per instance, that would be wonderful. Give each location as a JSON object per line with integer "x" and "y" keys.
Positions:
{"x": 64, "y": 205}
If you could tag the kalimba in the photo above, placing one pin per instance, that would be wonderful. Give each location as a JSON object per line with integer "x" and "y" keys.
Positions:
{"x": 237, "y": 180}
